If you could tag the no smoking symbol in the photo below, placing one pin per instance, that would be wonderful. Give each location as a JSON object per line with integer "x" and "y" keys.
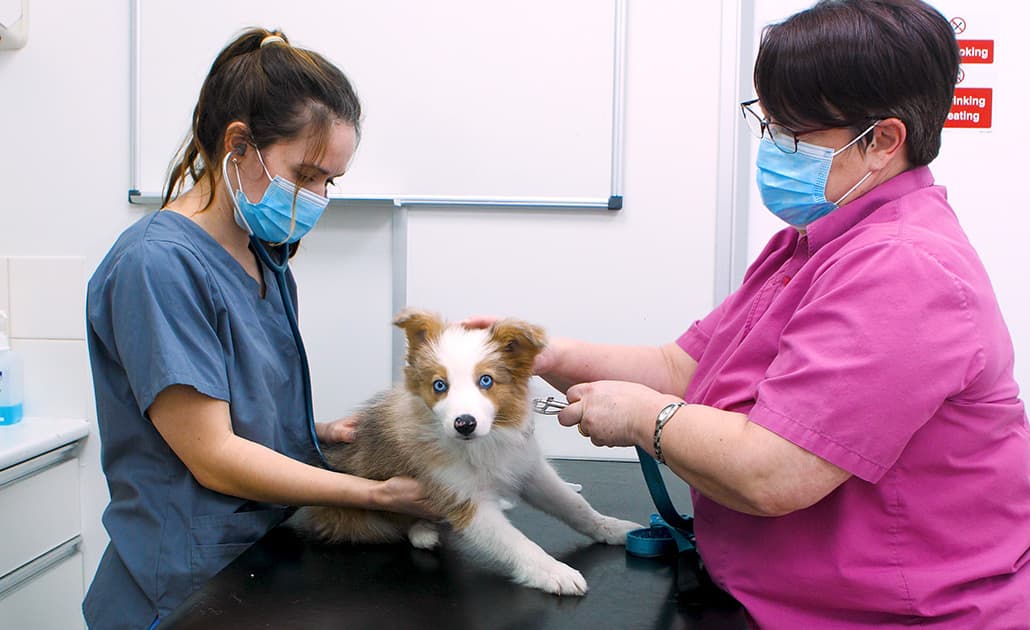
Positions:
{"x": 959, "y": 24}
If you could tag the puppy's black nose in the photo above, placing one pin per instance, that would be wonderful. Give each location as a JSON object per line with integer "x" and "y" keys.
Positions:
{"x": 465, "y": 424}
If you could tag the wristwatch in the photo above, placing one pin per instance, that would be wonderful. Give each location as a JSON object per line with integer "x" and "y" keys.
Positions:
{"x": 663, "y": 417}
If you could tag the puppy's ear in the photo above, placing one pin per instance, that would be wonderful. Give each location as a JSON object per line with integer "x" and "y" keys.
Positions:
{"x": 520, "y": 342}
{"x": 418, "y": 325}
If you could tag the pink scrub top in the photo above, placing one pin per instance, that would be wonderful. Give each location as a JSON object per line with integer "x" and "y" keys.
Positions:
{"x": 875, "y": 341}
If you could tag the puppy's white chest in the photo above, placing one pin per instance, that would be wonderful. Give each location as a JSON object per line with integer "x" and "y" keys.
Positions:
{"x": 491, "y": 473}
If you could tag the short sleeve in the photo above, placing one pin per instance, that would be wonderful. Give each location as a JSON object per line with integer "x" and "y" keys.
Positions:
{"x": 696, "y": 338}
{"x": 883, "y": 337}
{"x": 694, "y": 341}
{"x": 162, "y": 319}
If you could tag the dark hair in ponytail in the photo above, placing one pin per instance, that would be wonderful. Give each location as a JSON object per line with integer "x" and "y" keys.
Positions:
{"x": 278, "y": 90}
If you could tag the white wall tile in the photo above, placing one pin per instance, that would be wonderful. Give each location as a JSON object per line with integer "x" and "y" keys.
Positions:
{"x": 57, "y": 377}
{"x": 5, "y": 304}
{"x": 48, "y": 297}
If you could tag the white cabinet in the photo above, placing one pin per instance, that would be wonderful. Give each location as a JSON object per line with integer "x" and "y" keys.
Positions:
{"x": 41, "y": 508}
{"x": 41, "y": 581}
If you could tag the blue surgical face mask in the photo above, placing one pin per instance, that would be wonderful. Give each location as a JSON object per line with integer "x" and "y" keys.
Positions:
{"x": 793, "y": 185}
{"x": 276, "y": 218}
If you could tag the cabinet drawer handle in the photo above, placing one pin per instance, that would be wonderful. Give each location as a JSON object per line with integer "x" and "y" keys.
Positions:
{"x": 37, "y": 464}
{"x": 31, "y": 569}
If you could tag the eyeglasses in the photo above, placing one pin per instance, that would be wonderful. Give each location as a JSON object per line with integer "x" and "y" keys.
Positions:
{"x": 785, "y": 139}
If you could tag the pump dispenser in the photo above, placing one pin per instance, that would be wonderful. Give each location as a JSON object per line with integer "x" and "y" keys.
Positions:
{"x": 10, "y": 378}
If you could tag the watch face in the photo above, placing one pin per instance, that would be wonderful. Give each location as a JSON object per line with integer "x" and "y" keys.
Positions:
{"x": 667, "y": 411}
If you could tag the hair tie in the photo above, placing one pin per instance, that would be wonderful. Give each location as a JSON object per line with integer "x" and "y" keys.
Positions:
{"x": 272, "y": 39}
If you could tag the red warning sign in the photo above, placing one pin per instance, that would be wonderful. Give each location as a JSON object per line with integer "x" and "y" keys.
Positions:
{"x": 971, "y": 108}
{"x": 976, "y": 50}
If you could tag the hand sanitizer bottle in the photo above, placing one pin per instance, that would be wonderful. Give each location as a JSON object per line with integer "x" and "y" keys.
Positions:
{"x": 10, "y": 378}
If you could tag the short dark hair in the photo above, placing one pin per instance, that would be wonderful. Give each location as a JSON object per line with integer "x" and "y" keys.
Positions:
{"x": 847, "y": 63}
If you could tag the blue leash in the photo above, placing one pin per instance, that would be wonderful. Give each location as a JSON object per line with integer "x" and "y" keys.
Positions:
{"x": 671, "y": 532}
{"x": 291, "y": 315}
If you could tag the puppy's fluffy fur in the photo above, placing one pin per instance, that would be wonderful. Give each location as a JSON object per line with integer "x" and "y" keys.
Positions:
{"x": 460, "y": 423}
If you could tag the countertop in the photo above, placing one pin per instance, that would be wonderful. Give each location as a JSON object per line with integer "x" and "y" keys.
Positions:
{"x": 35, "y": 436}
{"x": 285, "y": 581}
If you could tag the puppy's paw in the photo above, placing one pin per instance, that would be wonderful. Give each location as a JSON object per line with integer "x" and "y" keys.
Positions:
{"x": 612, "y": 531}
{"x": 424, "y": 535}
{"x": 556, "y": 577}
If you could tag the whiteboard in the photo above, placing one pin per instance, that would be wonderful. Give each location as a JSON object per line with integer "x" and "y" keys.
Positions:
{"x": 461, "y": 98}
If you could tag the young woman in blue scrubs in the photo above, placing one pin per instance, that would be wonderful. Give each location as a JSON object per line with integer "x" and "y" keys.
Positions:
{"x": 198, "y": 379}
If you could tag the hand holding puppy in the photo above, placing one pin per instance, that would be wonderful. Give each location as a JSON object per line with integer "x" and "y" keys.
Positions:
{"x": 335, "y": 431}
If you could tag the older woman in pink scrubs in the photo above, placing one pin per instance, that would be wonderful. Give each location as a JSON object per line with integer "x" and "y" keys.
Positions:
{"x": 853, "y": 434}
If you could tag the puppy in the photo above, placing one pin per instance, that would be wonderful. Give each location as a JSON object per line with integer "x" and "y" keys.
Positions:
{"x": 460, "y": 423}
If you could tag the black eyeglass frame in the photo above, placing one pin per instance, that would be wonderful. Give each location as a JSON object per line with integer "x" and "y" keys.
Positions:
{"x": 776, "y": 130}
{"x": 777, "y": 133}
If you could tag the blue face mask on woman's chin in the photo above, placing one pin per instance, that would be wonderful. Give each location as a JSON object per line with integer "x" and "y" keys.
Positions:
{"x": 285, "y": 212}
{"x": 793, "y": 185}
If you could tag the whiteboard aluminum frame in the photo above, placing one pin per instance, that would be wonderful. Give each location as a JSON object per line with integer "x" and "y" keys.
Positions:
{"x": 612, "y": 202}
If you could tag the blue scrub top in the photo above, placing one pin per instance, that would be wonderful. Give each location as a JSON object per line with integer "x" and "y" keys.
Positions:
{"x": 169, "y": 305}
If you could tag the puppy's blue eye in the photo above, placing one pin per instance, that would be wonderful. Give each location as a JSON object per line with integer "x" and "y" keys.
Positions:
{"x": 486, "y": 381}
{"x": 439, "y": 386}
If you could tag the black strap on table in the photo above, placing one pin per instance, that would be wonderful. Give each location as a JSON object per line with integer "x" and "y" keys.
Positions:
{"x": 694, "y": 585}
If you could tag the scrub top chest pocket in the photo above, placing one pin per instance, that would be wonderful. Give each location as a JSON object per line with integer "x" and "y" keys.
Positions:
{"x": 217, "y": 539}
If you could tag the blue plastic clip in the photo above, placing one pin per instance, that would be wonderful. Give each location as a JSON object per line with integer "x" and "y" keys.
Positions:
{"x": 657, "y": 540}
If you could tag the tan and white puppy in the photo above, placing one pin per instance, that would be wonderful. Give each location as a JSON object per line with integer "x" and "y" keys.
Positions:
{"x": 461, "y": 424}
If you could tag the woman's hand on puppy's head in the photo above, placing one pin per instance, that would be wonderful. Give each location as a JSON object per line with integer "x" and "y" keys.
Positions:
{"x": 544, "y": 361}
{"x": 479, "y": 321}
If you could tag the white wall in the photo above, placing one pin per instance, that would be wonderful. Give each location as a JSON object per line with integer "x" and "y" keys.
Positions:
{"x": 64, "y": 163}
{"x": 636, "y": 276}
{"x": 640, "y": 275}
